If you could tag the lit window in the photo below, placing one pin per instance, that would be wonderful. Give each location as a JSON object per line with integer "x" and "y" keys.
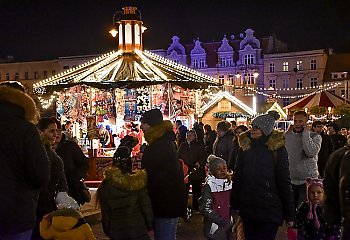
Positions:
{"x": 299, "y": 65}
{"x": 222, "y": 79}
{"x": 272, "y": 67}
{"x": 231, "y": 79}
{"x": 249, "y": 79}
{"x": 285, "y": 83}
{"x": 285, "y": 67}
{"x": 299, "y": 83}
{"x": 36, "y": 75}
{"x": 272, "y": 83}
{"x": 313, "y": 82}
{"x": 248, "y": 59}
{"x": 313, "y": 64}
{"x": 201, "y": 63}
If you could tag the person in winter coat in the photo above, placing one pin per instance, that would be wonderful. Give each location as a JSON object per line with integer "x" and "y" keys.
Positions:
{"x": 209, "y": 139}
{"x": 24, "y": 162}
{"x": 262, "y": 190}
{"x": 337, "y": 189}
{"x": 180, "y": 132}
{"x": 223, "y": 145}
{"x": 125, "y": 205}
{"x": 310, "y": 223}
{"x": 303, "y": 147}
{"x": 66, "y": 222}
{"x": 338, "y": 140}
{"x": 47, "y": 128}
{"x": 193, "y": 154}
{"x": 238, "y": 130}
{"x": 75, "y": 166}
{"x": 326, "y": 146}
{"x": 215, "y": 200}
{"x": 166, "y": 185}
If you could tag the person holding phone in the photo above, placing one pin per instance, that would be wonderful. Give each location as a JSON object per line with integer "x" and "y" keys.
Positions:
{"x": 303, "y": 147}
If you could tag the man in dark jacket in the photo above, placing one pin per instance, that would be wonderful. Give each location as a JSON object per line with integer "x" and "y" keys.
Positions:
{"x": 166, "y": 185}
{"x": 326, "y": 146}
{"x": 337, "y": 189}
{"x": 338, "y": 140}
{"x": 223, "y": 145}
{"x": 24, "y": 163}
{"x": 180, "y": 133}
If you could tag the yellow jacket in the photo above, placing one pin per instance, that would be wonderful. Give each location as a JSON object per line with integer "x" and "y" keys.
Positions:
{"x": 65, "y": 224}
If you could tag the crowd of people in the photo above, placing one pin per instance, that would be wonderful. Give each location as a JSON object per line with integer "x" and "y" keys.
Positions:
{"x": 246, "y": 179}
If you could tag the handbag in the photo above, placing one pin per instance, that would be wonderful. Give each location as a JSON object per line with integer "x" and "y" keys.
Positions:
{"x": 80, "y": 192}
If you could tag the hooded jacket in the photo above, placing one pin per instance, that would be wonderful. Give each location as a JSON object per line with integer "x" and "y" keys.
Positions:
{"x": 337, "y": 187}
{"x": 65, "y": 224}
{"x": 125, "y": 205}
{"x": 262, "y": 189}
{"x": 166, "y": 185}
{"x": 24, "y": 163}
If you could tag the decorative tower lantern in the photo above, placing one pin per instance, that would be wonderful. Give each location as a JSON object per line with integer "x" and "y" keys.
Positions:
{"x": 128, "y": 26}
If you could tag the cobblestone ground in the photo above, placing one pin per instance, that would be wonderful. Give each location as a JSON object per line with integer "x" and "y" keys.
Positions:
{"x": 192, "y": 230}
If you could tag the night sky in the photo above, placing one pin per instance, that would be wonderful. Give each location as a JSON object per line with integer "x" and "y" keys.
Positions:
{"x": 48, "y": 29}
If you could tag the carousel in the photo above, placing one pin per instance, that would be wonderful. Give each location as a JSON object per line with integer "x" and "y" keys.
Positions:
{"x": 108, "y": 94}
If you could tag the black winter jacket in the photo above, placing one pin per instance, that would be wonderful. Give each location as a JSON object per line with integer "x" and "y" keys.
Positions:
{"x": 262, "y": 189}
{"x": 223, "y": 147}
{"x": 166, "y": 186}
{"x": 337, "y": 187}
{"x": 24, "y": 163}
{"x": 125, "y": 205}
{"x": 191, "y": 154}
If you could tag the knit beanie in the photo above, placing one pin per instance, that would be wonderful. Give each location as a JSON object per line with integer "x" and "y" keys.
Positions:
{"x": 213, "y": 162}
{"x": 309, "y": 183}
{"x": 152, "y": 117}
{"x": 266, "y": 122}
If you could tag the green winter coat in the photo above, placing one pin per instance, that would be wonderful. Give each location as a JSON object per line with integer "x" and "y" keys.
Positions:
{"x": 125, "y": 205}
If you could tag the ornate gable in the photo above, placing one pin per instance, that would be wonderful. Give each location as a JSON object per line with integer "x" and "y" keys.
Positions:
{"x": 198, "y": 49}
{"x": 249, "y": 39}
{"x": 176, "y": 46}
{"x": 225, "y": 46}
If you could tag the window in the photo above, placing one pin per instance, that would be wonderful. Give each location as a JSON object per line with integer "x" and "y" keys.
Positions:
{"x": 231, "y": 79}
{"x": 222, "y": 79}
{"x": 285, "y": 83}
{"x": 272, "y": 67}
{"x": 45, "y": 74}
{"x": 342, "y": 75}
{"x": 53, "y": 72}
{"x": 195, "y": 63}
{"x": 65, "y": 67}
{"x": 272, "y": 83}
{"x": 223, "y": 62}
{"x": 36, "y": 75}
{"x": 249, "y": 79}
{"x": 16, "y": 76}
{"x": 248, "y": 59}
{"x": 334, "y": 75}
{"x": 313, "y": 82}
{"x": 201, "y": 63}
{"x": 285, "y": 102}
{"x": 299, "y": 65}
{"x": 285, "y": 66}
{"x": 26, "y": 75}
{"x": 176, "y": 61}
{"x": 229, "y": 61}
{"x": 342, "y": 92}
{"x": 299, "y": 83}
{"x": 313, "y": 64}
{"x": 7, "y": 76}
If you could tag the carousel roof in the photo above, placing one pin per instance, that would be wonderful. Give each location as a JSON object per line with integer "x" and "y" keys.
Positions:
{"x": 322, "y": 99}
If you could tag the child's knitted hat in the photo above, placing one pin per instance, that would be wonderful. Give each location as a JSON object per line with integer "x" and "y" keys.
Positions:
{"x": 213, "y": 162}
{"x": 309, "y": 183}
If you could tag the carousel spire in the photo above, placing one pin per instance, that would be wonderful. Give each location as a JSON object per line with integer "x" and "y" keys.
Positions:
{"x": 128, "y": 26}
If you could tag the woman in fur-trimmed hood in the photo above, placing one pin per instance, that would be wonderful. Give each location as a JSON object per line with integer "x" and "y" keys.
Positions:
{"x": 23, "y": 160}
{"x": 166, "y": 184}
{"x": 125, "y": 205}
{"x": 262, "y": 191}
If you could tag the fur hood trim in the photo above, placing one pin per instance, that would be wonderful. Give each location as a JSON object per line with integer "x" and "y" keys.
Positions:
{"x": 130, "y": 182}
{"x": 21, "y": 99}
{"x": 158, "y": 131}
{"x": 275, "y": 141}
